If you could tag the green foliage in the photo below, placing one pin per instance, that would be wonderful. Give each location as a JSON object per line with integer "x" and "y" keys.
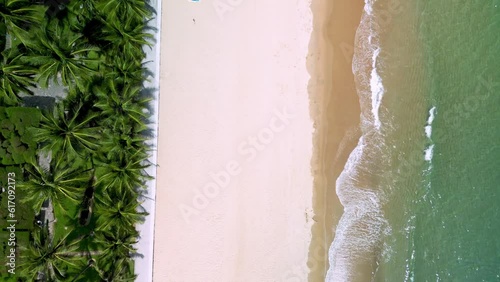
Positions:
{"x": 59, "y": 51}
{"x": 120, "y": 10}
{"x": 56, "y": 259}
{"x": 120, "y": 213}
{"x": 61, "y": 182}
{"x": 15, "y": 77}
{"x": 3, "y": 36}
{"x": 123, "y": 174}
{"x": 116, "y": 261}
{"x": 19, "y": 15}
{"x": 120, "y": 141}
{"x": 68, "y": 132}
{"x": 17, "y": 144}
{"x": 128, "y": 38}
{"x": 121, "y": 104}
{"x": 95, "y": 49}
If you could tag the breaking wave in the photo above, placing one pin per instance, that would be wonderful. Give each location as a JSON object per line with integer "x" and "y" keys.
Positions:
{"x": 362, "y": 227}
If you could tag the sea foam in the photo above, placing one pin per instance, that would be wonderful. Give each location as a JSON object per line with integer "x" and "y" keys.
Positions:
{"x": 429, "y": 151}
{"x": 430, "y": 119}
{"x": 377, "y": 89}
{"x": 362, "y": 227}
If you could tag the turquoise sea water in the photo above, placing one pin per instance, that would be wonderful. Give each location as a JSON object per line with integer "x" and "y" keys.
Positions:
{"x": 421, "y": 192}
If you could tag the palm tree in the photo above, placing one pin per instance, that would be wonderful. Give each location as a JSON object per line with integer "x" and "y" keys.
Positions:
{"x": 119, "y": 10}
{"x": 70, "y": 133}
{"x": 126, "y": 70}
{"x": 19, "y": 15}
{"x": 52, "y": 260}
{"x": 60, "y": 182}
{"x": 127, "y": 38}
{"x": 120, "y": 213}
{"x": 116, "y": 261}
{"x": 121, "y": 104}
{"x": 59, "y": 51}
{"x": 125, "y": 174}
{"x": 90, "y": 264}
{"x": 15, "y": 77}
{"x": 120, "y": 141}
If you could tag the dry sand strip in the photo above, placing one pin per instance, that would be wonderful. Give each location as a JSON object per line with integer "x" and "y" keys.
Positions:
{"x": 234, "y": 183}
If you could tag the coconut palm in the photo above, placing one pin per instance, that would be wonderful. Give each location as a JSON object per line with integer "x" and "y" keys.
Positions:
{"x": 119, "y": 10}
{"x": 15, "y": 77}
{"x": 83, "y": 9}
{"x": 121, "y": 104}
{"x": 125, "y": 174}
{"x": 120, "y": 141}
{"x": 90, "y": 265}
{"x": 61, "y": 181}
{"x": 118, "y": 270}
{"x": 85, "y": 99}
{"x": 116, "y": 261}
{"x": 58, "y": 51}
{"x": 69, "y": 132}
{"x": 19, "y": 15}
{"x": 127, "y": 38}
{"x": 52, "y": 260}
{"x": 125, "y": 70}
{"x": 122, "y": 270}
{"x": 118, "y": 212}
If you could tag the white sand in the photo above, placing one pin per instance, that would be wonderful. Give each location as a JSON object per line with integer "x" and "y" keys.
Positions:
{"x": 226, "y": 82}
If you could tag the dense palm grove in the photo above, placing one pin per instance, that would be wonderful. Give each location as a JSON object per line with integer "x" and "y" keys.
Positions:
{"x": 95, "y": 137}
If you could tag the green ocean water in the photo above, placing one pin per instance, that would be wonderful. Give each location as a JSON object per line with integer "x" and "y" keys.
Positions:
{"x": 421, "y": 192}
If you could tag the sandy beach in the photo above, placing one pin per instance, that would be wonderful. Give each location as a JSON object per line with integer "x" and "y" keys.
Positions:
{"x": 258, "y": 114}
{"x": 234, "y": 184}
{"x": 335, "y": 111}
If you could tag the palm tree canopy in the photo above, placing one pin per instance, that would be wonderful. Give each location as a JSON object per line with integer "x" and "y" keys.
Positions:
{"x": 120, "y": 213}
{"x": 59, "y": 182}
{"x": 15, "y": 77}
{"x": 53, "y": 259}
{"x": 119, "y": 10}
{"x": 68, "y": 132}
{"x": 59, "y": 51}
{"x": 19, "y": 15}
{"x": 128, "y": 38}
{"x": 121, "y": 104}
{"x": 116, "y": 245}
{"x": 123, "y": 175}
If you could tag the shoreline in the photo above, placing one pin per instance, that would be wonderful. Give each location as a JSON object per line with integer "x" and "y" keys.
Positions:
{"x": 335, "y": 110}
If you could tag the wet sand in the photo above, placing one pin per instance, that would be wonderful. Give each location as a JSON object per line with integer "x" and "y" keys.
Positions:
{"x": 335, "y": 110}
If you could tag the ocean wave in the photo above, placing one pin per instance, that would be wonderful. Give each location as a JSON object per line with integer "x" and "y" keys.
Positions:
{"x": 359, "y": 233}
{"x": 369, "y": 82}
{"x": 377, "y": 89}
{"x": 432, "y": 115}
{"x": 429, "y": 150}
{"x": 369, "y": 6}
{"x": 430, "y": 119}
{"x": 428, "y": 153}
